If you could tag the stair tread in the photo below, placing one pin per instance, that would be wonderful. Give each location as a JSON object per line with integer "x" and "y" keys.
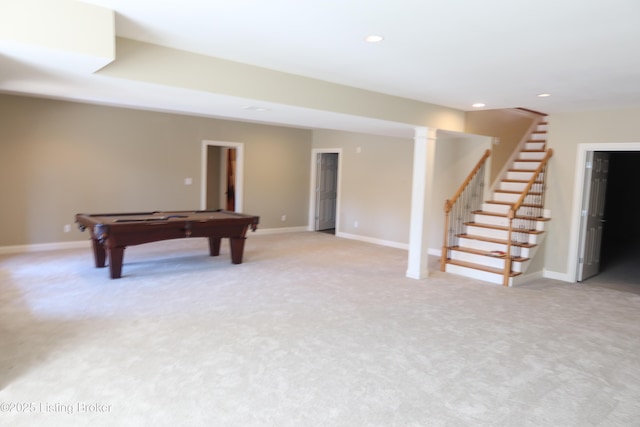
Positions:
{"x": 481, "y": 267}
{"x": 491, "y": 254}
{"x": 501, "y": 228}
{"x": 499, "y": 241}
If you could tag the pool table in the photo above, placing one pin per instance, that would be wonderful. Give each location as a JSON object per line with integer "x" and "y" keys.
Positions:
{"x": 112, "y": 233}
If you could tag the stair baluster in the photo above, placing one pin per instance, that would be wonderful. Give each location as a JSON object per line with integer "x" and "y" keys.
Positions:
{"x": 459, "y": 209}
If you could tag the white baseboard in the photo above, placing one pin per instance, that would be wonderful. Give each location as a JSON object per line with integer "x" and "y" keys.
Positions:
{"x": 279, "y": 230}
{"x": 564, "y": 277}
{"x": 375, "y": 241}
{"x": 526, "y": 278}
{"x": 84, "y": 244}
{"x": 40, "y": 247}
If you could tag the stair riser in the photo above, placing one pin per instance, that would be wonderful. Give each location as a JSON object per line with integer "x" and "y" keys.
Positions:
{"x": 504, "y": 222}
{"x": 512, "y": 198}
{"x": 528, "y": 211}
{"x": 490, "y": 246}
{"x": 503, "y": 209}
{"x": 519, "y": 176}
{"x": 486, "y": 260}
{"x": 534, "y": 146}
{"x": 478, "y": 259}
{"x": 491, "y": 220}
{"x": 532, "y": 156}
{"x": 497, "y": 234}
{"x": 506, "y": 197}
{"x": 532, "y": 166}
{"x": 495, "y": 208}
{"x": 475, "y": 274}
{"x": 512, "y": 186}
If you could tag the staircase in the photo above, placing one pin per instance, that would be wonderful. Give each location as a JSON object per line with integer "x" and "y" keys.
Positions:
{"x": 494, "y": 240}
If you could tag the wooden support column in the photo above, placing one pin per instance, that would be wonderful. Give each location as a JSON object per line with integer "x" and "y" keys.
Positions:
{"x": 421, "y": 194}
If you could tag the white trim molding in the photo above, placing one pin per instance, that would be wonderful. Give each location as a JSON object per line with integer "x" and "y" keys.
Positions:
{"x": 42, "y": 247}
{"x": 313, "y": 184}
{"x": 239, "y": 188}
{"x": 578, "y": 187}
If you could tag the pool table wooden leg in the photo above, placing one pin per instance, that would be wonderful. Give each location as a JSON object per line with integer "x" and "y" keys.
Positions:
{"x": 115, "y": 262}
{"x": 237, "y": 249}
{"x": 214, "y": 246}
{"x": 99, "y": 254}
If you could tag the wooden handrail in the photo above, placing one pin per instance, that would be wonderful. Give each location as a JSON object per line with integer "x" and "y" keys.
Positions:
{"x": 532, "y": 181}
{"x": 449, "y": 203}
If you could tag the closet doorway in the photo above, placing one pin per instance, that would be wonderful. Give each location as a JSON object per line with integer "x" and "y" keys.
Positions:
{"x": 325, "y": 184}
{"x": 222, "y": 172}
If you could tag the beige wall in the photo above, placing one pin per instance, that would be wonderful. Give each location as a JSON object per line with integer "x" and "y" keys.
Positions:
{"x": 456, "y": 156}
{"x": 59, "y": 158}
{"x": 139, "y": 61}
{"x": 507, "y": 125}
{"x": 566, "y": 132}
{"x": 375, "y": 184}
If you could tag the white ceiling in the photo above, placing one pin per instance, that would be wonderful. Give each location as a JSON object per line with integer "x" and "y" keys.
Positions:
{"x": 585, "y": 53}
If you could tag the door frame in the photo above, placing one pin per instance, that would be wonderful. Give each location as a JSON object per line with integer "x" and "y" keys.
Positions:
{"x": 239, "y": 189}
{"x": 314, "y": 181}
{"x": 580, "y": 197}
{"x": 591, "y": 214}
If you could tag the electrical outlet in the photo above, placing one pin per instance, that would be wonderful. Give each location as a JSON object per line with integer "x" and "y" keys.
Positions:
{"x": 355, "y": 224}
{"x": 67, "y": 228}
{"x": 283, "y": 218}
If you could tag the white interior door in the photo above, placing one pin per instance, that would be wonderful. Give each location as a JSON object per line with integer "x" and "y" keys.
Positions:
{"x": 326, "y": 193}
{"x": 595, "y": 192}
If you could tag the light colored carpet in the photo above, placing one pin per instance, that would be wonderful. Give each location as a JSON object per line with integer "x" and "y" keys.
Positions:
{"x": 311, "y": 330}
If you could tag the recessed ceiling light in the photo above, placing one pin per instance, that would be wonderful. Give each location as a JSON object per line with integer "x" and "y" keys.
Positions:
{"x": 373, "y": 38}
{"x": 543, "y": 95}
{"x": 478, "y": 105}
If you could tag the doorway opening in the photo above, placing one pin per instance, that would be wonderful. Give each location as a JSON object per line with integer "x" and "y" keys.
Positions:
{"x": 222, "y": 175}
{"x": 325, "y": 183}
{"x": 619, "y": 242}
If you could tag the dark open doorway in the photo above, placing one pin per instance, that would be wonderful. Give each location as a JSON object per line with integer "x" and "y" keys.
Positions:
{"x": 620, "y": 253}
{"x": 326, "y": 192}
{"x": 222, "y": 175}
